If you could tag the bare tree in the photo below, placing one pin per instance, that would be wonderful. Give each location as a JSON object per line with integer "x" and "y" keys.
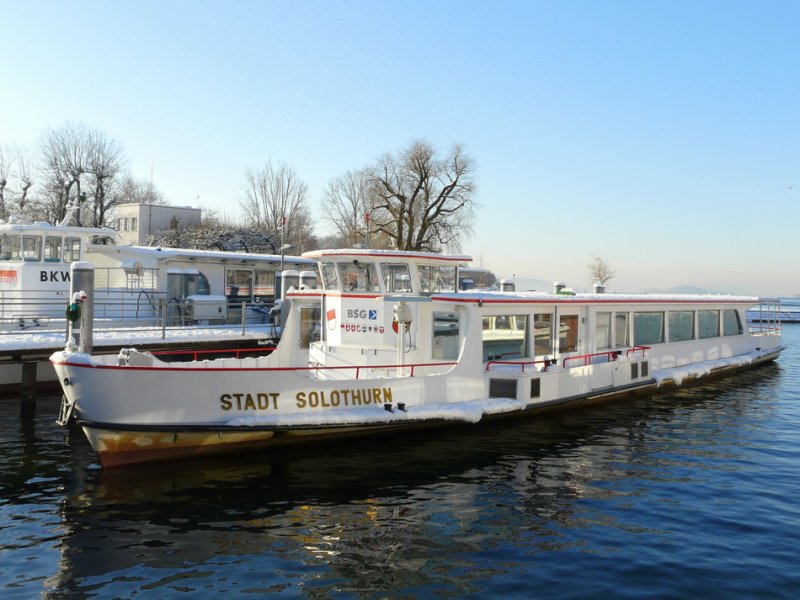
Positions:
{"x": 127, "y": 190}
{"x": 348, "y": 206}
{"x": 422, "y": 202}
{"x": 5, "y": 172}
{"x": 600, "y": 271}
{"x": 105, "y": 159}
{"x": 23, "y": 173}
{"x": 276, "y": 203}
{"x": 65, "y": 160}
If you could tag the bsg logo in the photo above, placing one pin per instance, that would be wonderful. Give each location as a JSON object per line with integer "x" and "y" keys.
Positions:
{"x": 362, "y": 313}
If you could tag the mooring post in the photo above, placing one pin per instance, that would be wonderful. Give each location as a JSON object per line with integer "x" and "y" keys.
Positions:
{"x": 82, "y": 283}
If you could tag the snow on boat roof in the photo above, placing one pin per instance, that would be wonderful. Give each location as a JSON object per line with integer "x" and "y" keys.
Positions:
{"x": 44, "y": 228}
{"x": 376, "y": 253}
{"x": 162, "y": 252}
{"x": 489, "y": 296}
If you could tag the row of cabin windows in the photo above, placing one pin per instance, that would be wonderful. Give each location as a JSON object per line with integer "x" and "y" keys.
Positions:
{"x": 362, "y": 276}
{"x": 655, "y": 327}
{"x": 507, "y": 336}
{"x": 34, "y": 248}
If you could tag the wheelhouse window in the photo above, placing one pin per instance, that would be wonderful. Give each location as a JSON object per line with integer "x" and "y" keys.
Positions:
{"x": 731, "y": 322}
{"x": 648, "y": 328}
{"x": 707, "y": 323}
{"x": 359, "y": 277}
{"x": 32, "y": 247}
{"x": 437, "y": 279}
{"x": 396, "y": 277}
{"x": 328, "y": 273}
{"x": 445, "y": 335}
{"x": 72, "y": 249}
{"x": 602, "y": 331}
{"x": 568, "y": 333}
{"x": 542, "y": 334}
{"x": 681, "y": 325}
{"x": 52, "y": 249}
{"x": 10, "y": 247}
{"x": 505, "y": 337}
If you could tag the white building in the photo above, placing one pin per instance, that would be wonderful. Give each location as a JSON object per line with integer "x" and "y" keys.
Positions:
{"x": 137, "y": 221}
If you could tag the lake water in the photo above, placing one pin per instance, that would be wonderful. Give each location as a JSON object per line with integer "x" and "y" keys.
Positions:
{"x": 687, "y": 494}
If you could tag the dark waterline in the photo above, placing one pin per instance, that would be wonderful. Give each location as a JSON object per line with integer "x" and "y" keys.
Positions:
{"x": 677, "y": 495}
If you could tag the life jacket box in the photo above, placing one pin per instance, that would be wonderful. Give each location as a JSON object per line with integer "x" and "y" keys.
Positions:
{"x": 206, "y": 308}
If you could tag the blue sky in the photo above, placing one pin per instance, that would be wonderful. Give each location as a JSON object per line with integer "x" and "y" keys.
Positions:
{"x": 663, "y": 136}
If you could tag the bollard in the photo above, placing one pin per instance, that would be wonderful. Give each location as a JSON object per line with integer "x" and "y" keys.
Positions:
{"x": 82, "y": 282}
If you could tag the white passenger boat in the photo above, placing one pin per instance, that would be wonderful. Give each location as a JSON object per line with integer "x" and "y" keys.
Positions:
{"x": 390, "y": 344}
{"x": 135, "y": 286}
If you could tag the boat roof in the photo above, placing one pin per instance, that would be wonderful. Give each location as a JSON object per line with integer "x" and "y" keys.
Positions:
{"x": 42, "y": 228}
{"x": 491, "y": 296}
{"x": 160, "y": 252}
{"x": 389, "y": 254}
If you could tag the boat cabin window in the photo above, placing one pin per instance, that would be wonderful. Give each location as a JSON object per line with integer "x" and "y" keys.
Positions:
{"x": 52, "y": 249}
{"x": 359, "y": 276}
{"x": 648, "y": 328}
{"x": 568, "y": 333}
{"x": 190, "y": 282}
{"x": 542, "y": 334}
{"x": 731, "y": 322}
{"x": 681, "y": 325}
{"x": 505, "y": 337}
{"x": 10, "y": 247}
{"x": 602, "y": 331}
{"x": 396, "y": 277}
{"x": 264, "y": 288}
{"x": 445, "y": 335}
{"x": 32, "y": 247}
{"x": 72, "y": 249}
{"x": 437, "y": 279}
{"x": 328, "y": 273}
{"x": 621, "y": 332}
{"x": 239, "y": 285}
{"x": 707, "y": 323}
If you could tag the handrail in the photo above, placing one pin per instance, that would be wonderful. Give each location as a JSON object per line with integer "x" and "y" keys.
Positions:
{"x": 196, "y": 353}
{"x": 611, "y": 355}
{"x": 522, "y": 363}
{"x": 641, "y": 349}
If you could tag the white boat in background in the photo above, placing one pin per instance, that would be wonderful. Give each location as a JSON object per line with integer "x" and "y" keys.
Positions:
{"x": 390, "y": 344}
{"x": 135, "y": 286}
{"x": 775, "y": 310}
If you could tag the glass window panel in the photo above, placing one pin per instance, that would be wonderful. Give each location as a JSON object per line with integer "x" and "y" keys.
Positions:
{"x": 31, "y": 247}
{"x": 52, "y": 249}
{"x": 621, "y": 331}
{"x": 72, "y": 249}
{"x": 10, "y": 247}
{"x": 396, "y": 278}
{"x": 445, "y": 335}
{"x": 505, "y": 337}
{"x": 707, "y": 323}
{"x": 648, "y": 328}
{"x": 437, "y": 279}
{"x": 543, "y": 334}
{"x": 329, "y": 279}
{"x": 238, "y": 284}
{"x": 602, "y": 331}
{"x": 359, "y": 277}
{"x": 568, "y": 333}
{"x": 731, "y": 322}
{"x": 681, "y": 325}
{"x": 264, "y": 284}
